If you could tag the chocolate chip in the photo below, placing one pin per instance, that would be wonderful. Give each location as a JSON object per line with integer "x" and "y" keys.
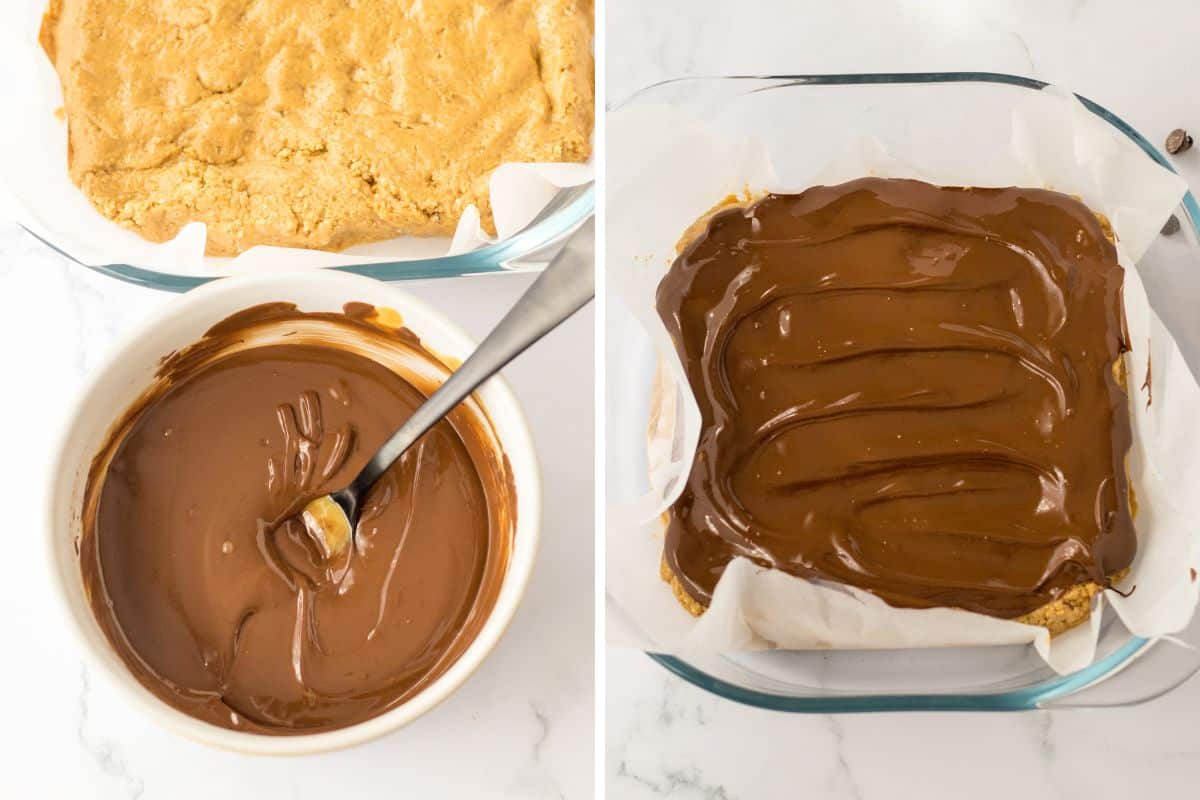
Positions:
{"x": 1171, "y": 225}
{"x": 1178, "y": 140}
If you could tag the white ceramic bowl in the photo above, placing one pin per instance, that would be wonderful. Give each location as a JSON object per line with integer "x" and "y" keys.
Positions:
{"x": 129, "y": 370}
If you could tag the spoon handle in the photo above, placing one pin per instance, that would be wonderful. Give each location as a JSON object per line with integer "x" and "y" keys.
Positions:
{"x": 562, "y": 289}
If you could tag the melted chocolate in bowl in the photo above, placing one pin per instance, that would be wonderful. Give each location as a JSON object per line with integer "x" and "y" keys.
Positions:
{"x": 224, "y": 607}
{"x": 906, "y": 388}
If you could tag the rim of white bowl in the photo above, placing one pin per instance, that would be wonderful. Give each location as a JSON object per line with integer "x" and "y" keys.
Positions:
{"x": 526, "y": 535}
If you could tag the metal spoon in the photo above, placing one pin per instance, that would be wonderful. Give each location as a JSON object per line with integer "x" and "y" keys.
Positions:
{"x": 562, "y": 289}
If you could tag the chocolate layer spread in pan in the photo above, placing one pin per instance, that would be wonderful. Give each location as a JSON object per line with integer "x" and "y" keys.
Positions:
{"x": 911, "y": 389}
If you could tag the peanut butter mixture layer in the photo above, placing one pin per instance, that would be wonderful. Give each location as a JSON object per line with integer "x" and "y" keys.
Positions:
{"x": 314, "y": 123}
{"x": 909, "y": 389}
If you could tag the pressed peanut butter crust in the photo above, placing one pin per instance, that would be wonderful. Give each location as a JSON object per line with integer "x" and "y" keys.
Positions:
{"x": 314, "y": 123}
{"x": 1073, "y": 607}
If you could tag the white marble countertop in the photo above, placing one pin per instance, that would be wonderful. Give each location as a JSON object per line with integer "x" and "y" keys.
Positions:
{"x": 667, "y": 738}
{"x": 522, "y": 726}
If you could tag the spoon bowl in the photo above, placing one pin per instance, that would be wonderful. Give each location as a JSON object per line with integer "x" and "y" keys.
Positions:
{"x": 565, "y": 286}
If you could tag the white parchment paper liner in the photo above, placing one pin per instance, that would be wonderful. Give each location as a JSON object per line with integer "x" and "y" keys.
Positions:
{"x": 1055, "y": 143}
{"x": 33, "y": 168}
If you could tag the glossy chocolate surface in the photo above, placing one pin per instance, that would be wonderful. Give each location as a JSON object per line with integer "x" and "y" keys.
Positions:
{"x": 218, "y": 600}
{"x": 908, "y": 389}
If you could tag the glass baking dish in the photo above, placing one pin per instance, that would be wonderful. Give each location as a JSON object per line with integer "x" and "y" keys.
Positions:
{"x": 940, "y": 120}
{"x": 38, "y": 93}
{"x": 528, "y": 249}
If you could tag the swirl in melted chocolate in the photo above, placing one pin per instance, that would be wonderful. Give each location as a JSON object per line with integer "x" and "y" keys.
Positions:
{"x": 910, "y": 389}
{"x": 228, "y": 610}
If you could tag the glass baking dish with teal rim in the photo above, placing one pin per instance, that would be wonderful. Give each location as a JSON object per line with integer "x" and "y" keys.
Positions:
{"x": 925, "y": 118}
{"x": 528, "y": 248}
